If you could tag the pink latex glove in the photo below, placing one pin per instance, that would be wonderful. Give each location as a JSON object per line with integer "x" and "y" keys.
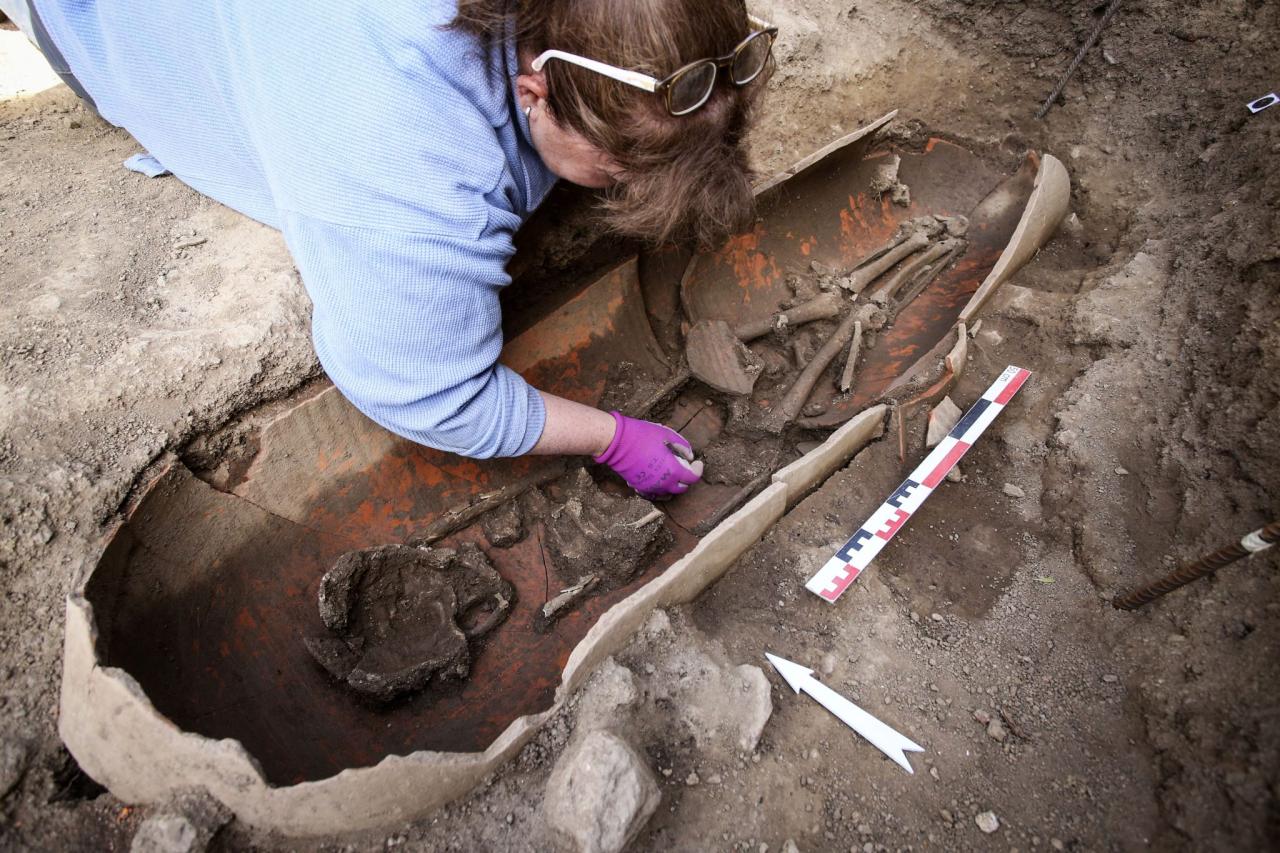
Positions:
{"x": 655, "y": 460}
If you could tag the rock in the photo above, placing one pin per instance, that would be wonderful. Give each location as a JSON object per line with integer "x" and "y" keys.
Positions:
{"x": 1013, "y": 491}
{"x": 609, "y": 693}
{"x": 828, "y": 663}
{"x": 657, "y": 625}
{"x": 955, "y": 475}
{"x": 600, "y": 794}
{"x": 14, "y": 755}
{"x": 982, "y": 716}
{"x": 996, "y": 731}
{"x": 937, "y": 617}
{"x": 1110, "y": 679}
{"x": 721, "y": 705}
{"x": 692, "y": 779}
{"x": 789, "y": 846}
{"x": 987, "y": 822}
{"x": 503, "y": 526}
{"x": 186, "y": 824}
{"x": 942, "y": 418}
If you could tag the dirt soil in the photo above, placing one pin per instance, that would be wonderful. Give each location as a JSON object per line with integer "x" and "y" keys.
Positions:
{"x": 138, "y": 315}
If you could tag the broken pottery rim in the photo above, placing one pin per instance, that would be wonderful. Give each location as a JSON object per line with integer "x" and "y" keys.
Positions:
{"x": 322, "y": 806}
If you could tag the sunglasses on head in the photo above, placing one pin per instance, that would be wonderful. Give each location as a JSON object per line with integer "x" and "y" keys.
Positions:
{"x": 690, "y": 86}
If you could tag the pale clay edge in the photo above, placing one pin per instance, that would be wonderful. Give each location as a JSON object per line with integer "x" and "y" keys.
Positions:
{"x": 161, "y": 758}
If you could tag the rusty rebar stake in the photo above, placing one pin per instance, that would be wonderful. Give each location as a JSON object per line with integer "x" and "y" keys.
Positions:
{"x": 1259, "y": 540}
{"x": 1080, "y": 54}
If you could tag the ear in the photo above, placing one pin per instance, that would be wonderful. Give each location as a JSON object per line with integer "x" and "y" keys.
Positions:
{"x": 531, "y": 89}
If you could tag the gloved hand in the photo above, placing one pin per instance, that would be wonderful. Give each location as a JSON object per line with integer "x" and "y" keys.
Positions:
{"x": 655, "y": 460}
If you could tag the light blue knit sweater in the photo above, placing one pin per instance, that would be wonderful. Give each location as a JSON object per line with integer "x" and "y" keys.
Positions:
{"x": 389, "y": 151}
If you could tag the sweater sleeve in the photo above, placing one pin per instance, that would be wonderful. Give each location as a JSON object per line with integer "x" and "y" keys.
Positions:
{"x": 409, "y": 328}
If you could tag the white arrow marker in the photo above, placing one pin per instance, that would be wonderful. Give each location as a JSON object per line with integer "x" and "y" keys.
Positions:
{"x": 881, "y": 736}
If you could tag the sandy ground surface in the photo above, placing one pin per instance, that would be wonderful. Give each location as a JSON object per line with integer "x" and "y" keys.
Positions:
{"x": 1149, "y": 434}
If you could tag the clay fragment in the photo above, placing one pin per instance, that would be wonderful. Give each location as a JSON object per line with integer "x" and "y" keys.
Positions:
{"x": 595, "y": 533}
{"x": 394, "y": 613}
{"x": 717, "y": 358}
{"x": 942, "y": 418}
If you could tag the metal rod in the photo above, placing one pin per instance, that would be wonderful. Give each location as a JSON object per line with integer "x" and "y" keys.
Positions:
{"x": 1259, "y": 540}
{"x": 1075, "y": 63}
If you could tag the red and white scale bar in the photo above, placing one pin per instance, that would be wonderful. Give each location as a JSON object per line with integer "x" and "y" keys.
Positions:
{"x": 854, "y": 556}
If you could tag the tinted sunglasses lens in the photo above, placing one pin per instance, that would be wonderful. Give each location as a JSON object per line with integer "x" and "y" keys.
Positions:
{"x": 751, "y": 58}
{"x": 692, "y": 88}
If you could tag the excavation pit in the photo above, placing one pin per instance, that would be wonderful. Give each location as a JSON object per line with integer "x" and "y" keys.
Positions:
{"x": 185, "y": 665}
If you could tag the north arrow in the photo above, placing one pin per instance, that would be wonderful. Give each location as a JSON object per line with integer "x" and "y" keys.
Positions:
{"x": 880, "y": 736}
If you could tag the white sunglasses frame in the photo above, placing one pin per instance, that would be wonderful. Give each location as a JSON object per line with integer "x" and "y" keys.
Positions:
{"x": 623, "y": 75}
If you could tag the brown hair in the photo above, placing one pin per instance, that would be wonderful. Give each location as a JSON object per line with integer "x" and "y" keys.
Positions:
{"x": 683, "y": 177}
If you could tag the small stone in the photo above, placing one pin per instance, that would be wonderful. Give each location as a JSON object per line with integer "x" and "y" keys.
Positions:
{"x": 915, "y": 617}
{"x": 600, "y": 794}
{"x": 714, "y": 779}
{"x": 987, "y": 822}
{"x": 947, "y": 816}
{"x": 1056, "y": 844}
{"x": 692, "y": 779}
{"x": 982, "y": 716}
{"x": 933, "y": 771}
{"x": 937, "y": 617}
{"x": 1013, "y": 491}
{"x": 996, "y": 731}
{"x": 13, "y": 763}
{"x": 186, "y": 824}
{"x": 828, "y": 663}
{"x": 1110, "y": 679}
{"x": 1122, "y": 471}
{"x": 954, "y": 475}
{"x": 789, "y": 846}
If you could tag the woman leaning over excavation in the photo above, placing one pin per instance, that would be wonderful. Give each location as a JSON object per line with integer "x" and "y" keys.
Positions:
{"x": 398, "y": 146}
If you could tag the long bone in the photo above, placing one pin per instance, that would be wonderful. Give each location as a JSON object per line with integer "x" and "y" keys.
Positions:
{"x": 885, "y": 293}
{"x": 819, "y": 308}
{"x": 921, "y": 281}
{"x": 864, "y": 275}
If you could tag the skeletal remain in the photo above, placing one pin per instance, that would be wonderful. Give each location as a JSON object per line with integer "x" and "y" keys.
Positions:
{"x": 819, "y": 308}
{"x": 921, "y": 281}
{"x": 956, "y": 226}
{"x": 846, "y": 378}
{"x": 568, "y": 596}
{"x": 787, "y": 410}
{"x": 459, "y": 517}
{"x": 641, "y": 407}
{"x": 908, "y": 271}
{"x": 741, "y": 496}
{"x": 864, "y": 275}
